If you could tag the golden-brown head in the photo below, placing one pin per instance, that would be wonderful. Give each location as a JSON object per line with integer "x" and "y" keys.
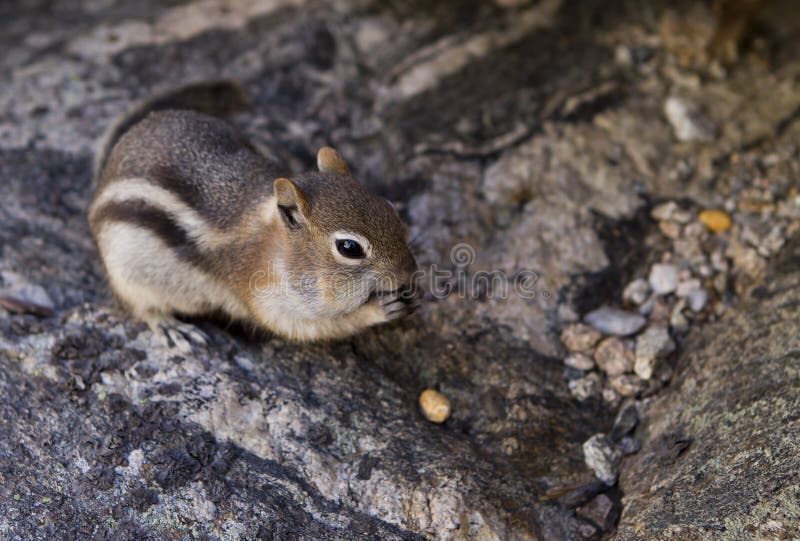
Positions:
{"x": 342, "y": 253}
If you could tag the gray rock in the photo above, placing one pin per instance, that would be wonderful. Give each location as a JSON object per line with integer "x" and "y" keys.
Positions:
{"x": 698, "y": 299}
{"x": 602, "y": 457}
{"x": 626, "y": 421}
{"x": 17, "y": 292}
{"x": 664, "y": 211}
{"x": 688, "y": 123}
{"x": 669, "y": 211}
{"x": 686, "y": 287}
{"x": 677, "y": 320}
{"x": 579, "y": 361}
{"x": 663, "y": 278}
{"x": 694, "y": 292}
{"x": 629, "y": 446}
{"x": 651, "y": 345}
{"x": 637, "y": 292}
{"x": 602, "y": 510}
{"x": 611, "y": 397}
{"x": 609, "y": 320}
{"x": 586, "y": 387}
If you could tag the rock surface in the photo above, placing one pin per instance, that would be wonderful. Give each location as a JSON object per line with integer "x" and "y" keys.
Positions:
{"x": 513, "y": 131}
{"x": 720, "y": 457}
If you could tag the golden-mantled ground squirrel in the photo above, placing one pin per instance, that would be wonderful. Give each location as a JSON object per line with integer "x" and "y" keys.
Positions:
{"x": 190, "y": 219}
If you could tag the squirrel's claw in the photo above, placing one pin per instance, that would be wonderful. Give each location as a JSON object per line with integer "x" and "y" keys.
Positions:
{"x": 397, "y": 304}
{"x": 175, "y": 334}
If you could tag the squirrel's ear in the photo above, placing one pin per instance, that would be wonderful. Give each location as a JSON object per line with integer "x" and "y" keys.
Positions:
{"x": 292, "y": 203}
{"x": 330, "y": 161}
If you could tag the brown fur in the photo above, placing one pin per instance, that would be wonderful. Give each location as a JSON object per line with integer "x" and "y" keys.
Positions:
{"x": 189, "y": 187}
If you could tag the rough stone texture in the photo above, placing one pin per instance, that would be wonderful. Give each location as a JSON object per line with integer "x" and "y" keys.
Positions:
{"x": 534, "y": 135}
{"x": 720, "y": 458}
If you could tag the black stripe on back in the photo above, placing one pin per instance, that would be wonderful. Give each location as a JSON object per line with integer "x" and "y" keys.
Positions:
{"x": 144, "y": 215}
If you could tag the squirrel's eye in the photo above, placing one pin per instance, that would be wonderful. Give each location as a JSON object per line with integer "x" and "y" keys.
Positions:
{"x": 350, "y": 248}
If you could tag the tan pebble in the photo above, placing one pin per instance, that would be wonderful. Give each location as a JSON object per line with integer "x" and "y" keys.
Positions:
{"x": 580, "y": 337}
{"x": 434, "y": 405}
{"x": 627, "y": 385}
{"x": 611, "y": 357}
{"x": 715, "y": 220}
{"x": 670, "y": 229}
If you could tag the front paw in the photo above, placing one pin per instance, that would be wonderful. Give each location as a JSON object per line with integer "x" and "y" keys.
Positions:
{"x": 177, "y": 335}
{"x": 396, "y": 304}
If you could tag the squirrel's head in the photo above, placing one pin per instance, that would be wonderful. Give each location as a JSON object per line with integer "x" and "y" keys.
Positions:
{"x": 340, "y": 244}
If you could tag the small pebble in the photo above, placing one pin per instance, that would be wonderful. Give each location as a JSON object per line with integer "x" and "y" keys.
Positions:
{"x": 636, "y": 292}
{"x": 686, "y": 287}
{"x": 698, "y": 299}
{"x": 716, "y": 220}
{"x": 612, "y": 358}
{"x": 705, "y": 270}
{"x": 671, "y": 212}
{"x": 603, "y": 458}
{"x": 718, "y": 261}
{"x": 688, "y": 124}
{"x": 626, "y": 421}
{"x": 677, "y": 321}
{"x": 579, "y": 337}
{"x": 629, "y": 445}
{"x": 720, "y": 283}
{"x": 627, "y": 384}
{"x": 579, "y": 361}
{"x": 664, "y": 211}
{"x": 746, "y": 259}
{"x": 772, "y": 243}
{"x": 647, "y": 306}
{"x": 670, "y": 230}
{"x": 663, "y": 278}
{"x": 660, "y": 313}
{"x": 611, "y": 397}
{"x": 602, "y": 511}
{"x": 615, "y": 321}
{"x": 434, "y": 405}
{"x": 695, "y": 231}
{"x": 689, "y": 249}
{"x": 586, "y": 387}
{"x": 651, "y": 345}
